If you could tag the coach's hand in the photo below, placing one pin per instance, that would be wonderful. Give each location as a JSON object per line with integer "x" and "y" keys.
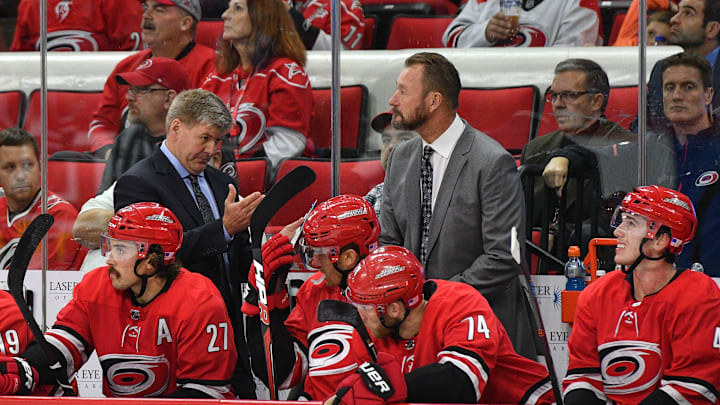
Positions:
{"x": 237, "y": 213}
{"x": 17, "y": 377}
{"x": 373, "y": 383}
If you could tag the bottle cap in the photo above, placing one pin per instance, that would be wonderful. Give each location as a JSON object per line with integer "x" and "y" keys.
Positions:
{"x": 574, "y": 251}
{"x": 600, "y": 273}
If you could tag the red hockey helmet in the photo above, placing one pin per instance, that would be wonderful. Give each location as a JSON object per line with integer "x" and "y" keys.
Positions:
{"x": 661, "y": 207}
{"x": 388, "y": 274}
{"x": 146, "y": 224}
{"x": 336, "y": 223}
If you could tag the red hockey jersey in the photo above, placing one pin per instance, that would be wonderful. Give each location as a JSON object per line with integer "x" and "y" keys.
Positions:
{"x": 63, "y": 252}
{"x": 80, "y": 25}
{"x": 14, "y": 332}
{"x": 181, "y": 339}
{"x": 278, "y": 95}
{"x": 460, "y": 328}
{"x": 198, "y": 60}
{"x": 623, "y": 349}
{"x": 352, "y": 25}
{"x": 331, "y": 351}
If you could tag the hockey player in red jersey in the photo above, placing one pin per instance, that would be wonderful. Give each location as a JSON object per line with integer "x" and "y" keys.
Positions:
{"x": 259, "y": 75}
{"x": 312, "y": 20}
{"x": 158, "y": 329}
{"x": 337, "y": 234}
{"x": 168, "y": 30}
{"x": 14, "y": 332}
{"x": 447, "y": 340}
{"x": 649, "y": 334}
{"x": 20, "y": 177}
{"x": 79, "y": 25}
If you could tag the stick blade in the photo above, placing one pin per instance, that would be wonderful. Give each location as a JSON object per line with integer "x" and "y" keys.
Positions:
{"x": 338, "y": 311}
{"x": 25, "y": 249}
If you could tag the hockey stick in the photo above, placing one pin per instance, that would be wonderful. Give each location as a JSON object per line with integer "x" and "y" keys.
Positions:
{"x": 339, "y": 311}
{"x": 24, "y": 251}
{"x": 285, "y": 189}
{"x": 537, "y": 324}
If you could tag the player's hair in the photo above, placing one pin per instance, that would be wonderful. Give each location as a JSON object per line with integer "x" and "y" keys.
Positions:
{"x": 669, "y": 257}
{"x": 18, "y": 137}
{"x": 165, "y": 271}
{"x": 595, "y": 77}
{"x": 273, "y": 36}
{"x": 692, "y": 60}
{"x": 439, "y": 75}
{"x": 199, "y": 107}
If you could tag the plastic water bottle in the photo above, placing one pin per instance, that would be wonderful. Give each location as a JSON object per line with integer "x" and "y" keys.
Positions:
{"x": 574, "y": 270}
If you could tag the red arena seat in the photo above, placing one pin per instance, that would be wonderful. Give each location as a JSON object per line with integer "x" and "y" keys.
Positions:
{"x": 208, "y": 33}
{"x": 369, "y": 34}
{"x": 439, "y": 7}
{"x": 353, "y": 117}
{"x": 75, "y": 181}
{"x": 69, "y": 116}
{"x": 417, "y": 31}
{"x": 11, "y": 108}
{"x": 505, "y": 114}
{"x": 252, "y": 175}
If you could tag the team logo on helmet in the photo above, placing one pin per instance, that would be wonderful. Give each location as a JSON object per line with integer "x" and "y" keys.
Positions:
{"x": 329, "y": 350}
{"x": 352, "y": 213}
{"x": 159, "y": 217}
{"x": 707, "y": 178}
{"x": 629, "y": 366}
{"x": 389, "y": 270}
{"x": 136, "y": 375}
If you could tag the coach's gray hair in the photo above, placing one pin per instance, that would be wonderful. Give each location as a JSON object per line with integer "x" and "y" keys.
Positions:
{"x": 595, "y": 77}
{"x": 199, "y": 107}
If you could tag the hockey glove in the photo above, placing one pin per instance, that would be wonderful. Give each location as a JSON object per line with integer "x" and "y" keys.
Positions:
{"x": 17, "y": 376}
{"x": 373, "y": 383}
{"x": 277, "y": 256}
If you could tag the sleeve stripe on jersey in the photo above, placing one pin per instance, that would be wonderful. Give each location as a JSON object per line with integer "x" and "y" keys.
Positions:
{"x": 453, "y": 36}
{"x": 584, "y": 385}
{"x": 214, "y": 392}
{"x": 533, "y": 395}
{"x": 468, "y": 353}
{"x": 675, "y": 395}
{"x": 692, "y": 384}
{"x": 589, "y": 373}
{"x": 465, "y": 369}
{"x": 83, "y": 346}
{"x": 302, "y": 86}
{"x": 60, "y": 346}
{"x": 300, "y": 368}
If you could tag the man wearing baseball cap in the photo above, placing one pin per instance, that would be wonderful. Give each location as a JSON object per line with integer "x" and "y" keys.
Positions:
{"x": 153, "y": 86}
{"x": 168, "y": 30}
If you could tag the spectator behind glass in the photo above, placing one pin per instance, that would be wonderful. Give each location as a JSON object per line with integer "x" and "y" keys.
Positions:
{"x": 658, "y": 28}
{"x": 20, "y": 177}
{"x": 545, "y": 23}
{"x": 79, "y": 25}
{"x": 628, "y": 35}
{"x": 391, "y": 137}
{"x": 168, "y": 30}
{"x": 312, "y": 20}
{"x": 260, "y": 77}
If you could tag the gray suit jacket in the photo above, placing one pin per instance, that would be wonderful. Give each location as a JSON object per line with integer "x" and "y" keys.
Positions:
{"x": 479, "y": 203}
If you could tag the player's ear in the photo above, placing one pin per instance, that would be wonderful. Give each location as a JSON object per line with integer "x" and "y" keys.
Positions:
{"x": 348, "y": 259}
{"x": 396, "y": 309}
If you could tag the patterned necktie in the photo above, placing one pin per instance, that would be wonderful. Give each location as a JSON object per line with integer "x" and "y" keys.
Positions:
{"x": 202, "y": 201}
{"x": 426, "y": 179}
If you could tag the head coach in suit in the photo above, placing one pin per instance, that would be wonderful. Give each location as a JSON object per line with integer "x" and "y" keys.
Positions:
{"x": 177, "y": 175}
{"x": 453, "y": 195}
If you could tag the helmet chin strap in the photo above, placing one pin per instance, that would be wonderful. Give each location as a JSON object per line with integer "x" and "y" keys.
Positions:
{"x": 394, "y": 330}
{"x": 143, "y": 279}
{"x": 643, "y": 256}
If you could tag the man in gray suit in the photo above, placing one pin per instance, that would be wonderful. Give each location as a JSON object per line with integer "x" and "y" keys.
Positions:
{"x": 453, "y": 196}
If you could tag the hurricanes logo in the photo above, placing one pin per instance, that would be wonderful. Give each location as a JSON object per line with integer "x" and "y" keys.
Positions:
{"x": 70, "y": 40}
{"x": 252, "y": 126}
{"x": 706, "y": 179}
{"x": 136, "y": 375}
{"x": 329, "y": 350}
{"x": 629, "y": 366}
{"x": 146, "y": 64}
{"x": 527, "y": 36}
{"x": 62, "y": 9}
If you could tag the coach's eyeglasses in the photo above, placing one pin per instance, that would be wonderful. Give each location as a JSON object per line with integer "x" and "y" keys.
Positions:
{"x": 141, "y": 91}
{"x": 566, "y": 96}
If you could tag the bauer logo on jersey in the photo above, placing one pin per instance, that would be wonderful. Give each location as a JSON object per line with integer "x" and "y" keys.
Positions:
{"x": 329, "y": 350}
{"x": 629, "y": 366}
{"x": 136, "y": 375}
{"x": 706, "y": 179}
